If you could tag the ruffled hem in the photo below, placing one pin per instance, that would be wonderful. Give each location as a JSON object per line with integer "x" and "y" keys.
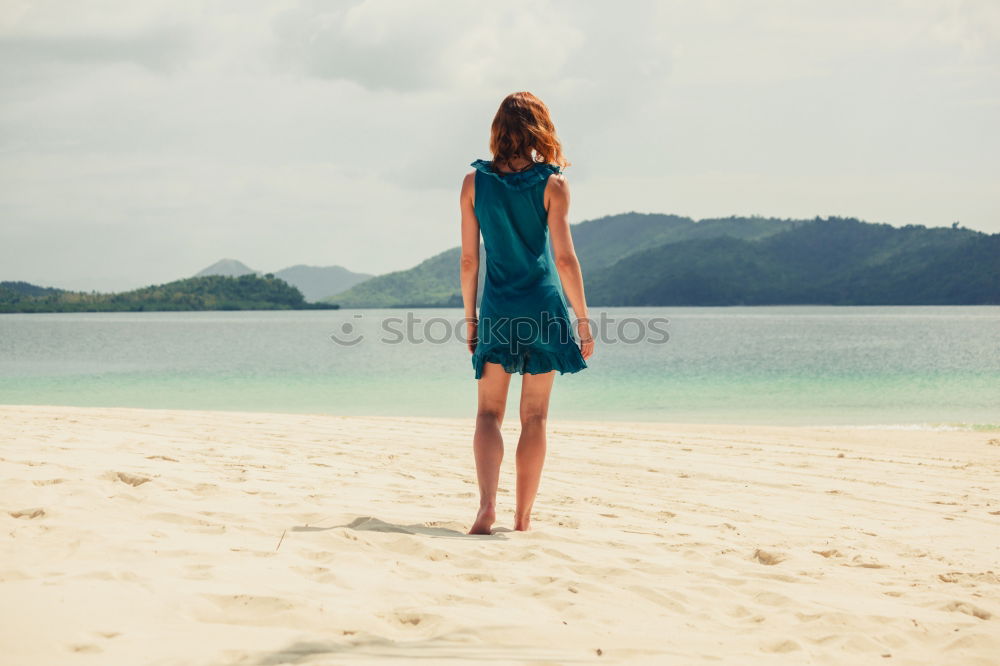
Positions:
{"x": 530, "y": 360}
{"x": 519, "y": 180}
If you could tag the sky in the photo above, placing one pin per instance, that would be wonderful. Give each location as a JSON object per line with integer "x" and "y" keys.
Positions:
{"x": 143, "y": 141}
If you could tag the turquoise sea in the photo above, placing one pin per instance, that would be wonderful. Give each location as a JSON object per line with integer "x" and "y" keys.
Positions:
{"x": 907, "y": 366}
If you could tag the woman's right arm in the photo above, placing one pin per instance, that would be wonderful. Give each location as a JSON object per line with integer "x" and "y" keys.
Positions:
{"x": 567, "y": 263}
{"x": 469, "y": 270}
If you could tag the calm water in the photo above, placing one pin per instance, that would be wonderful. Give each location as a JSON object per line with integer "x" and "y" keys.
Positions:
{"x": 820, "y": 365}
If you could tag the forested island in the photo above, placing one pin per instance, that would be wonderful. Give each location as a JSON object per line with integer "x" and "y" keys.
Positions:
{"x": 214, "y": 292}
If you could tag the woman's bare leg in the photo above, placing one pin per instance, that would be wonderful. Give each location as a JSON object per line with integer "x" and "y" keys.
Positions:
{"x": 487, "y": 443}
{"x": 535, "y": 392}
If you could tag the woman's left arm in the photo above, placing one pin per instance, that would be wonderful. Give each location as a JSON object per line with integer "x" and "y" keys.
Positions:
{"x": 470, "y": 256}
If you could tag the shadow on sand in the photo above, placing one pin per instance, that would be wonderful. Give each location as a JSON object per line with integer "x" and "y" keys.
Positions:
{"x": 371, "y": 524}
{"x": 461, "y": 645}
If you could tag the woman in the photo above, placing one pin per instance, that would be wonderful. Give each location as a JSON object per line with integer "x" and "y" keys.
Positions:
{"x": 519, "y": 202}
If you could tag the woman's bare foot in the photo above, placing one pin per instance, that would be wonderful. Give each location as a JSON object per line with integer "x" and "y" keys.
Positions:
{"x": 522, "y": 524}
{"x": 484, "y": 520}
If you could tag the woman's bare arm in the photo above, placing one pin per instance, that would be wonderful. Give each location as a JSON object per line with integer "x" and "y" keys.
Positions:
{"x": 567, "y": 263}
{"x": 470, "y": 254}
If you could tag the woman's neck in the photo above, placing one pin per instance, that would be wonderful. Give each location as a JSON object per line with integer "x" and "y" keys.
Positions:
{"x": 518, "y": 163}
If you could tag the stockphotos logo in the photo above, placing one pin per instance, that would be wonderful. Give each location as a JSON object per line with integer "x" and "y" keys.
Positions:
{"x": 414, "y": 329}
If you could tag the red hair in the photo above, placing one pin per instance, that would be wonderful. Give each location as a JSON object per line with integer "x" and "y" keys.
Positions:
{"x": 522, "y": 123}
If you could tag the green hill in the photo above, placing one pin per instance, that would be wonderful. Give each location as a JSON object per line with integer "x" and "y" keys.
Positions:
{"x": 605, "y": 240}
{"x": 216, "y": 292}
{"x": 432, "y": 283}
{"x": 833, "y": 261}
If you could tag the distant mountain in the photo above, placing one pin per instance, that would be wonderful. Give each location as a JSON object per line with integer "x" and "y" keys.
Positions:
{"x": 836, "y": 261}
{"x": 212, "y": 292}
{"x": 227, "y": 267}
{"x": 318, "y": 282}
{"x": 315, "y": 282}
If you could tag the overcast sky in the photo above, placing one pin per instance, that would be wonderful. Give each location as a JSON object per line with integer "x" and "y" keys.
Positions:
{"x": 142, "y": 141}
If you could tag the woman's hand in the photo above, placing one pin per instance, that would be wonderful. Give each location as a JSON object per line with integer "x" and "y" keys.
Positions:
{"x": 586, "y": 337}
{"x": 472, "y": 332}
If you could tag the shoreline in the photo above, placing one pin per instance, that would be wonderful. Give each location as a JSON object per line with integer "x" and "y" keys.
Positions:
{"x": 930, "y": 426}
{"x": 229, "y": 537}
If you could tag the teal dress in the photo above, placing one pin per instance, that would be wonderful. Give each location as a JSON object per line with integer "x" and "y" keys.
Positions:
{"x": 524, "y": 322}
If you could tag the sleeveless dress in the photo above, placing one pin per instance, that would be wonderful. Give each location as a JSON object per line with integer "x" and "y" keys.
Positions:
{"x": 524, "y": 322}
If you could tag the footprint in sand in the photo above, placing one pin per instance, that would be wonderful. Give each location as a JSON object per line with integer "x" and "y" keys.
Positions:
{"x": 571, "y": 523}
{"x": 969, "y": 579}
{"x": 769, "y": 558}
{"x": 968, "y": 609}
{"x": 131, "y": 479}
{"x": 48, "y": 482}
{"x": 28, "y": 514}
{"x": 856, "y": 561}
{"x": 409, "y": 618}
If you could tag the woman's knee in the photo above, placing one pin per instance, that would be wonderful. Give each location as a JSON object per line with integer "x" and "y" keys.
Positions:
{"x": 490, "y": 413}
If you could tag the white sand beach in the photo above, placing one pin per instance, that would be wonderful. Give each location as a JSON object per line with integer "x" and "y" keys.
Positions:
{"x": 136, "y": 536}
